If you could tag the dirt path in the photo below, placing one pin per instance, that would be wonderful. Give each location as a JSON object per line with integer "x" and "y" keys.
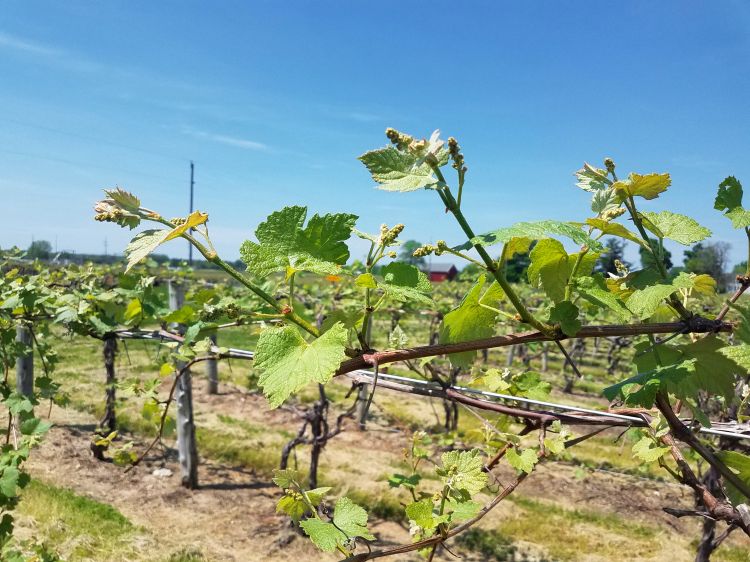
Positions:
{"x": 232, "y": 516}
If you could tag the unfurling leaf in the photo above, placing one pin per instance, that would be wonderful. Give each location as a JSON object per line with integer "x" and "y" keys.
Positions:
{"x": 648, "y": 186}
{"x": 196, "y": 218}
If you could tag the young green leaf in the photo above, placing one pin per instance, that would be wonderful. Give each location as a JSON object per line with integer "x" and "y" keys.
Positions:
{"x": 284, "y": 245}
{"x": 349, "y": 521}
{"x": 550, "y": 268}
{"x": 143, "y": 244}
{"x": 463, "y": 472}
{"x": 535, "y": 231}
{"x": 288, "y": 363}
{"x": 566, "y": 313}
{"x": 675, "y": 227}
{"x": 404, "y": 282}
{"x": 647, "y": 451}
{"x": 524, "y": 462}
{"x": 468, "y": 321}
{"x": 648, "y": 186}
{"x": 395, "y": 170}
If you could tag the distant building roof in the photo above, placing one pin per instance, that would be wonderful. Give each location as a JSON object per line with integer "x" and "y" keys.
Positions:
{"x": 440, "y": 267}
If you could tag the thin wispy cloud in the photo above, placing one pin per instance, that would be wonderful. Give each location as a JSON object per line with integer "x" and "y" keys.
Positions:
{"x": 228, "y": 140}
{"x": 17, "y": 44}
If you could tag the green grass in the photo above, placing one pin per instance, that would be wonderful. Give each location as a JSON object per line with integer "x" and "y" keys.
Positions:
{"x": 79, "y": 527}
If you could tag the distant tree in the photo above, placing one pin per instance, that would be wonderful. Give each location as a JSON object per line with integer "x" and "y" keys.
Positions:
{"x": 710, "y": 258}
{"x": 470, "y": 272}
{"x": 647, "y": 259}
{"x": 740, "y": 268}
{"x": 407, "y": 253}
{"x": 614, "y": 250}
{"x": 39, "y": 249}
{"x": 515, "y": 268}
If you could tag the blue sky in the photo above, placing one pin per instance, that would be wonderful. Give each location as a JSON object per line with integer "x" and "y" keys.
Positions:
{"x": 274, "y": 101}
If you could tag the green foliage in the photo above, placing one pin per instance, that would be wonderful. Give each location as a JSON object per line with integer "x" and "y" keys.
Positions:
{"x": 637, "y": 185}
{"x": 523, "y": 461}
{"x": 675, "y": 227}
{"x": 284, "y": 244}
{"x": 395, "y": 170}
{"x": 474, "y": 318}
{"x": 288, "y": 363}
{"x": 535, "y": 231}
{"x": 729, "y": 200}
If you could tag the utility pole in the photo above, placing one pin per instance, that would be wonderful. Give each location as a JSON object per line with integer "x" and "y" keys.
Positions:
{"x": 192, "y": 184}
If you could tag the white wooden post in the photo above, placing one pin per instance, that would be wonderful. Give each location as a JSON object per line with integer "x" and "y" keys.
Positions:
{"x": 212, "y": 370}
{"x": 187, "y": 450}
{"x": 25, "y": 362}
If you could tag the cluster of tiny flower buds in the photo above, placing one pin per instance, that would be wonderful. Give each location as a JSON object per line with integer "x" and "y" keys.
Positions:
{"x": 111, "y": 214}
{"x": 438, "y": 249}
{"x": 610, "y": 165}
{"x": 621, "y": 268}
{"x": 611, "y": 214}
{"x": 401, "y": 140}
{"x": 177, "y": 221}
{"x": 388, "y": 235}
{"x": 456, "y": 156}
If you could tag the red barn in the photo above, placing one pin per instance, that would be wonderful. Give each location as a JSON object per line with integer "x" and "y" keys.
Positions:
{"x": 439, "y": 272}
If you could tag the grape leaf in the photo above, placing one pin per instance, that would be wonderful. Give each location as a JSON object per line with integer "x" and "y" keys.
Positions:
{"x": 592, "y": 179}
{"x": 729, "y": 200}
{"x": 404, "y": 282}
{"x": 284, "y": 245}
{"x": 143, "y": 244}
{"x": 395, "y": 170}
{"x": 644, "y": 302}
{"x": 288, "y": 363}
{"x": 468, "y": 321}
{"x": 463, "y": 472}
{"x": 550, "y": 268}
{"x": 738, "y": 463}
{"x": 729, "y": 195}
{"x": 614, "y": 229}
{"x": 422, "y": 513}
{"x": 647, "y": 452}
{"x": 648, "y": 186}
{"x": 536, "y": 231}
{"x": 349, "y": 521}
{"x": 594, "y": 289}
{"x": 124, "y": 199}
{"x": 676, "y": 227}
{"x": 524, "y": 462}
{"x": 196, "y": 218}
{"x": 566, "y": 314}
{"x": 295, "y": 506}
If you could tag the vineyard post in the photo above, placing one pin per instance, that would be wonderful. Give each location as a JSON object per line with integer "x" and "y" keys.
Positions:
{"x": 110, "y": 352}
{"x": 212, "y": 369}
{"x": 25, "y": 361}
{"x": 363, "y": 393}
{"x": 186, "y": 447}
